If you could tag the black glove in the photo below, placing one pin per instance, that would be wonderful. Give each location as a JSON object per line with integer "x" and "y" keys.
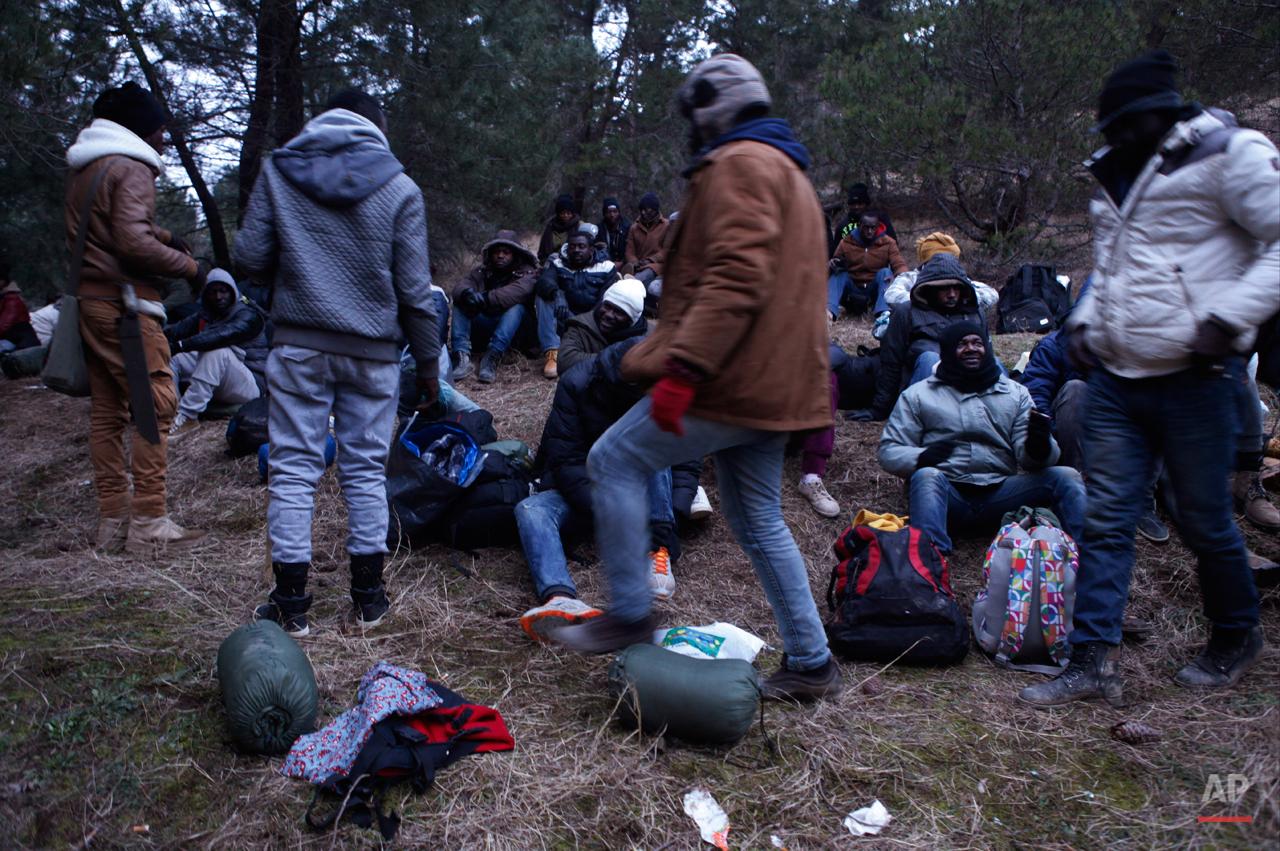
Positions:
{"x": 562, "y": 308}
{"x": 471, "y": 303}
{"x": 1037, "y": 445}
{"x": 179, "y": 244}
{"x": 936, "y": 453}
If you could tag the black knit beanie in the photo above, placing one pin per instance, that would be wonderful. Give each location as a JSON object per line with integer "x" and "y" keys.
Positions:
{"x": 951, "y": 372}
{"x": 565, "y": 202}
{"x": 610, "y": 202}
{"x": 859, "y": 194}
{"x": 1139, "y": 85}
{"x": 132, "y": 107}
{"x": 650, "y": 199}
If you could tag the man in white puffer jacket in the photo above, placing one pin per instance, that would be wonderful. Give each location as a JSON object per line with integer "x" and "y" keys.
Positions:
{"x": 1187, "y": 236}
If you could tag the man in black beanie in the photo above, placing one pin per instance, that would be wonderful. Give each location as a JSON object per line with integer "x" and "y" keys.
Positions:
{"x": 960, "y": 437}
{"x": 614, "y": 227}
{"x": 559, "y": 226}
{"x": 1187, "y": 244}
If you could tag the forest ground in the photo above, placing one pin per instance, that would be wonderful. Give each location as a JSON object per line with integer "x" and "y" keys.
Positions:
{"x": 113, "y": 734}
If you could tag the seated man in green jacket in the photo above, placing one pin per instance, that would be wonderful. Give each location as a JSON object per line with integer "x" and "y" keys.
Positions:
{"x": 618, "y": 317}
{"x": 959, "y": 438}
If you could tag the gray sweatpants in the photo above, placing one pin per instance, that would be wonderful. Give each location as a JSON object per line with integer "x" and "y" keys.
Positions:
{"x": 216, "y": 376}
{"x": 305, "y": 385}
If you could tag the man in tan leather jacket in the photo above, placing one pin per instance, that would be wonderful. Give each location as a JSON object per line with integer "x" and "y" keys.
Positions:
{"x": 124, "y": 247}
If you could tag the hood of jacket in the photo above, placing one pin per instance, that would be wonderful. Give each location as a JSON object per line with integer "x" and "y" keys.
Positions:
{"x": 338, "y": 159}
{"x": 104, "y": 138}
{"x": 220, "y": 276}
{"x": 508, "y": 238}
{"x": 943, "y": 269}
{"x": 856, "y": 235}
{"x": 771, "y": 131}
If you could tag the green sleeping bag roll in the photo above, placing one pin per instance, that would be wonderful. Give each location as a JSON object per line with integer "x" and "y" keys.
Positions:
{"x": 268, "y": 688}
{"x": 699, "y": 700}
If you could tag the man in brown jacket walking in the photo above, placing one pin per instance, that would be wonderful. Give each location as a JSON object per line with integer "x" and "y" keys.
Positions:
{"x": 737, "y": 363}
{"x": 126, "y": 255}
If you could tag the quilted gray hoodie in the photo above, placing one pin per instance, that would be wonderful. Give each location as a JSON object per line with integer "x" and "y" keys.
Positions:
{"x": 343, "y": 231}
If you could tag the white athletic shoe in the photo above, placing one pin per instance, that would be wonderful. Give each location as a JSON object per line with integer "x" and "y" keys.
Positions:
{"x": 557, "y": 612}
{"x": 661, "y": 582}
{"x": 701, "y": 508}
{"x": 822, "y": 502}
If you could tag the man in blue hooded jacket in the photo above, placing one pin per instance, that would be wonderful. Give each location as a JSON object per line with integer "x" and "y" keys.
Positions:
{"x": 343, "y": 231}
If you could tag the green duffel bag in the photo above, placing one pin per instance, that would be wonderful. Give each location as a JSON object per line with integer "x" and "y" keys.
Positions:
{"x": 698, "y": 700}
{"x": 268, "y": 688}
{"x": 24, "y": 363}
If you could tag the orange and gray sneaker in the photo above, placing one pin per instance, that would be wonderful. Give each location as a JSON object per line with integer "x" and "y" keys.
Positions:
{"x": 550, "y": 369}
{"x": 661, "y": 580}
{"x": 557, "y": 612}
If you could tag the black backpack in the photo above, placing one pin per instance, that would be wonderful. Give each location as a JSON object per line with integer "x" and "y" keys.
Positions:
{"x": 1268, "y": 349}
{"x": 856, "y": 376}
{"x": 890, "y": 600}
{"x": 1032, "y": 300}
{"x": 484, "y": 515}
{"x": 248, "y": 428}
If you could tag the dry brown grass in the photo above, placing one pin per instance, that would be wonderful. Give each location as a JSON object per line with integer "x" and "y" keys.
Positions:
{"x": 111, "y": 718}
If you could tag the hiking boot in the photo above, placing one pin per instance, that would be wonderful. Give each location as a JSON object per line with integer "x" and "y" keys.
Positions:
{"x": 816, "y": 493}
{"x": 1094, "y": 671}
{"x": 604, "y": 634}
{"x": 289, "y": 612}
{"x": 488, "y": 372}
{"x": 371, "y": 605}
{"x": 1224, "y": 660}
{"x": 462, "y": 365}
{"x": 661, "y": 582}
{"x": 557, "y": 612}
{"x": 111, "y": 534}
{"x": 1266, "y": 572}
{"x": 824, "y": 682}
{"x": 701, "y": 508}
{"x": 182, "y": 424}
{"x": 1270, "y": 474}
{"x": 1251, "y": 501}
{"x": 154, "y": 535}
{"x": 551, "y": 369}
{"x": 1150, "y": 526}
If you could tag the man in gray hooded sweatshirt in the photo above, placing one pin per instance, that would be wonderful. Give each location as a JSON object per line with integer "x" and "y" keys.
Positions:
{"x": 342, "y": 231}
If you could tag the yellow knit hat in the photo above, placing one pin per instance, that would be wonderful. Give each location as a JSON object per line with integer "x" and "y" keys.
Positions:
{"x": 927, "y": 246}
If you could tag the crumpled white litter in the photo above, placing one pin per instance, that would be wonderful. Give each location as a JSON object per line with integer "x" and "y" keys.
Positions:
{"x": 868, "y": 820}
{"x": 710, "y": 818}
{"x": 713, "y": 641}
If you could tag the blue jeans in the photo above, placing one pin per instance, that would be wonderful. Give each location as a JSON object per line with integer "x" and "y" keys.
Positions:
{"x": 842, "y": 290}
{"x": 499, "y": 331}
{"x": 1193, "y": 420}
{"x": 305, "y": 385}
{"x": 937, "y": 504}
{"x": 541, "y": 519}
{"x": 548, "y": 329}
{"x": 749, "y": 471}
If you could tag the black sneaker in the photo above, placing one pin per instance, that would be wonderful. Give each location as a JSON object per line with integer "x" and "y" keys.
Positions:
{"x": 289, "y": 612}
{"x": 605, "y": 634}
{"x": 1152, "y": 527}
{"x": 1225, "y": 659}
{"x": 824, "y": 682}
{"x": 370, "y": 606}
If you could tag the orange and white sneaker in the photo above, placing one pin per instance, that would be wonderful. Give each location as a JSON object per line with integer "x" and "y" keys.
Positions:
{"x": 661, "y": 580}
{"x": 557, "y": 612}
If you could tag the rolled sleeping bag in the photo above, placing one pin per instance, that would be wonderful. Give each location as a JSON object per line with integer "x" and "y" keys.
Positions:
{"x": 699, "y": 700}
{"x": 268, "y": 688}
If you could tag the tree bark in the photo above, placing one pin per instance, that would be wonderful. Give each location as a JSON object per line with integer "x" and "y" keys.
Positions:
{"x": 213, "y": 218}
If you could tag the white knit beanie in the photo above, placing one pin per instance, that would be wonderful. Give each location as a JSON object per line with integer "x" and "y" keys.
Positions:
{"x": 627, "y": 295}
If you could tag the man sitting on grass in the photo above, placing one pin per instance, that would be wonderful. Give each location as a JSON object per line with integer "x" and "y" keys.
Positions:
{"x": 959, "y": 438}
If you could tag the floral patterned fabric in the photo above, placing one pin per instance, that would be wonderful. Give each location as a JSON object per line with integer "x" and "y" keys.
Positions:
{"x": 385, "y": 690}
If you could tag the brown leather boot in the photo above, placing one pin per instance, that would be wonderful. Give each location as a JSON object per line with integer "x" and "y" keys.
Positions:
{"x": 550, "y": 369}
{"x": 1251, "y": 501}
{"x": 155, "y": 535}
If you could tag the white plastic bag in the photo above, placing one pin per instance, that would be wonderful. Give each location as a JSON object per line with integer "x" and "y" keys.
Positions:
{"x": 714, "y": 641}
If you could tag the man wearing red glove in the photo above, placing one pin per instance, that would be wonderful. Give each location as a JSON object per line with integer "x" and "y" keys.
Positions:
{"x": 737, "y": 363}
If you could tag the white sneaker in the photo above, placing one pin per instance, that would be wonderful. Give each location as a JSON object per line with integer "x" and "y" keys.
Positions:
{"x": 701, "y": 508}
{"x": 661, "y": 582}
{"x": 822, "y": 502}
{"x": 557, "y": 612}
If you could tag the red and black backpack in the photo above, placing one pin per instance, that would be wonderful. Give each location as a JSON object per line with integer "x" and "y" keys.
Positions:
{"x": 890, "y": 600}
